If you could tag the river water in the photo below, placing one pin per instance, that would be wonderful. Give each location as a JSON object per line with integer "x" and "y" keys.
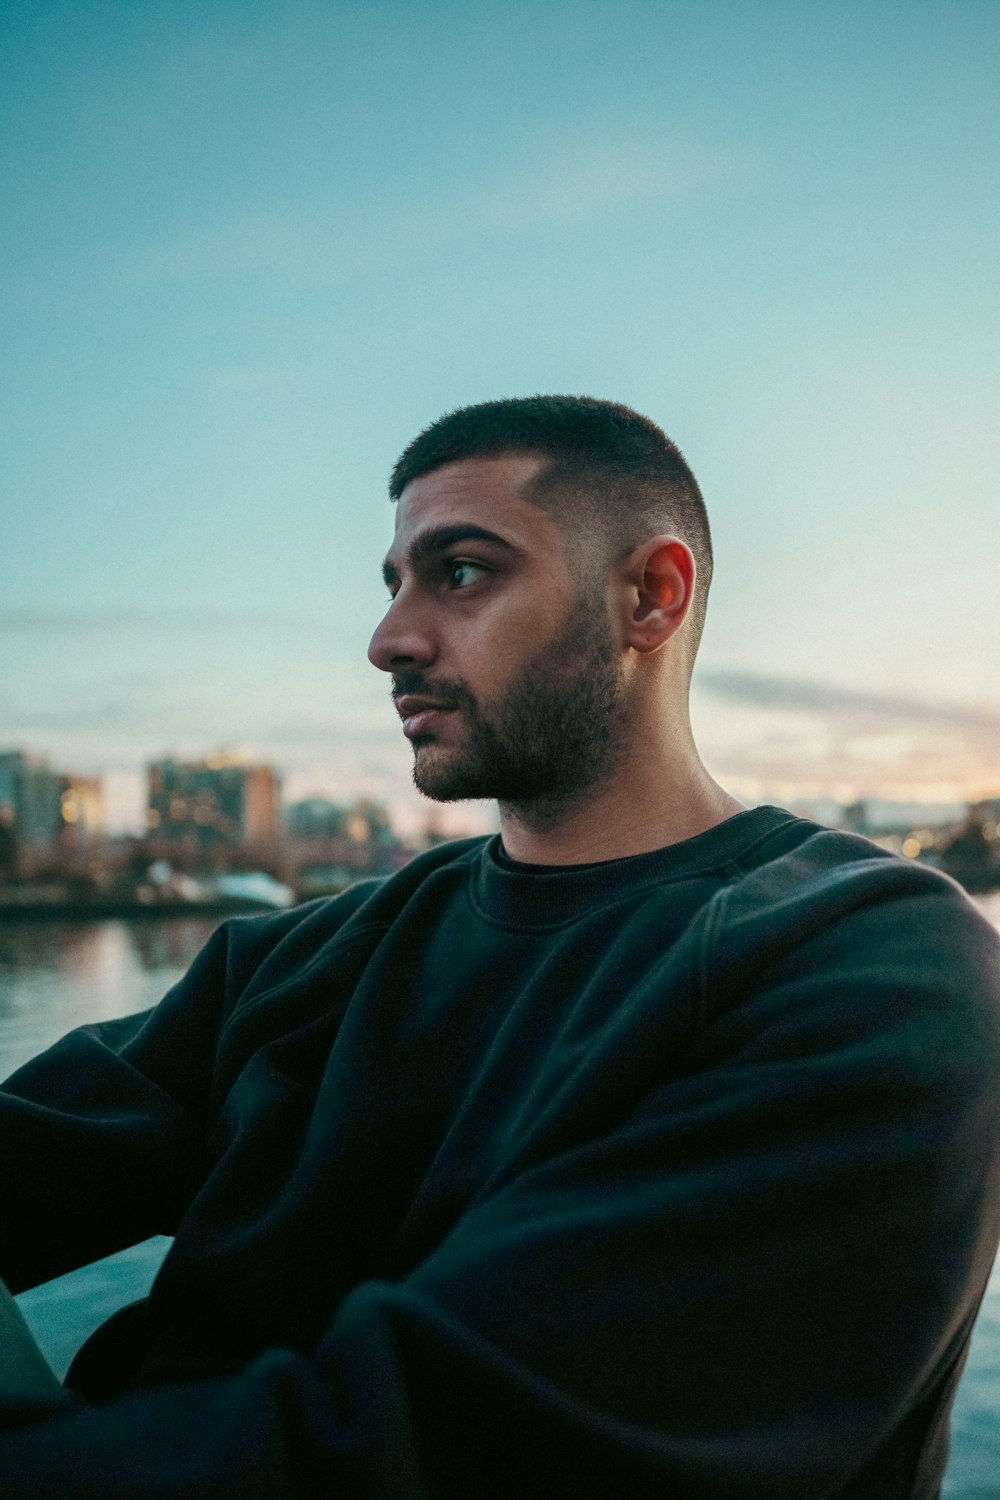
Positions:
{"x": 55, "y": 975}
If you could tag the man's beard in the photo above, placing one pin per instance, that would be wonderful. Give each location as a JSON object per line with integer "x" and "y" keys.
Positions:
{"x": 554, "y": 736}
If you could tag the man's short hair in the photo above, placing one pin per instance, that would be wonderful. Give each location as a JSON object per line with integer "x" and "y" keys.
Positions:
{"x": 614, "y": 477}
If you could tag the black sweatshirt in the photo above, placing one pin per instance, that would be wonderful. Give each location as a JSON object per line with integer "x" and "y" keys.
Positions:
{"x": 673, "y": 1176}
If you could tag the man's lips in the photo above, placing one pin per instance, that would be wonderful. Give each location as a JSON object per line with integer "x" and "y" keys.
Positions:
{"x": 418, "y": 713}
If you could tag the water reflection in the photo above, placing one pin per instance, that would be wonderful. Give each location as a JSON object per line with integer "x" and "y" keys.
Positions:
{"x": 171, "y": 944}
{"x": 57, "y": 975}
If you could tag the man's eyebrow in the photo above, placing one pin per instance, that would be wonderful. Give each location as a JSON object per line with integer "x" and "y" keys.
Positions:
{"x": 436, "y": 538}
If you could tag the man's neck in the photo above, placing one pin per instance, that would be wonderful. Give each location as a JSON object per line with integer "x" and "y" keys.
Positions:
{"x": 643, "y": 809}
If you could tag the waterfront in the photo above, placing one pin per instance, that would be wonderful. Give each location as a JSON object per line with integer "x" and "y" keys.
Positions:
{"x": 55, "y": 975}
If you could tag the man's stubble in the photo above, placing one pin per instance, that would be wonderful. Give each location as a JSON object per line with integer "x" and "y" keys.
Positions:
{"x": 552, "y": 738}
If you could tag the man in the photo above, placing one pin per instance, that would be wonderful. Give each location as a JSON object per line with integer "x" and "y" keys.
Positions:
{"x": 647, "y": 1148}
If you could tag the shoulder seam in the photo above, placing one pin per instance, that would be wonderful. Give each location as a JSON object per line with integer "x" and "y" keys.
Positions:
{"x": 342, "y": 940}
{"x": 737, "y": 860}
{"x": 713, "y": 922}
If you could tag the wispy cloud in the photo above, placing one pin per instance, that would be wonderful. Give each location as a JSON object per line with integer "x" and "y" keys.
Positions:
{"x": 98, "y": 621}
{"x": 594, "y": 177}
{"x": 811, "y": 736}
{"x": 568, "y": 182}
{"x": 291, "y": 246}
{"x": 765, "y": 691}
{"x": 110, "y": 716}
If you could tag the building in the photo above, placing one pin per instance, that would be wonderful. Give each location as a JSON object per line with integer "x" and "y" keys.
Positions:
{"x": 44, "y": 813}
{"x": 315, "y": 818}
{"x": 330, "y": 846}
{"x": 81, "y": 812}
{"x": 972, "y": 853}
{"x": 29, "y": 797}
{"x": 222, "y": 801}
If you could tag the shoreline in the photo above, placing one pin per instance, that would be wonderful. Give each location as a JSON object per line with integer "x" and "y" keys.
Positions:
{"x": 100, "y": 911}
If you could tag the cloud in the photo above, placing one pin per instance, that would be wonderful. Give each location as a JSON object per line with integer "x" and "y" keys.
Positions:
{"x": 294, "y": 247}
{"x": 100, "y": 621}
{"x": 805, "y": 736}
{"x": 763, "y": 691}
{"x": 111, "y": 716}
{"x": 569, "y": 180}
{"x": 594, "y": 178}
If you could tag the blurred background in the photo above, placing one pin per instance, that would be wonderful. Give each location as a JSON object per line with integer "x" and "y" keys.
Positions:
{"x": 249, "y": 250}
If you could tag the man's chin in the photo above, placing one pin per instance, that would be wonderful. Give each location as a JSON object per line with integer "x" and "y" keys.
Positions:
{"x": 433, "y": 777}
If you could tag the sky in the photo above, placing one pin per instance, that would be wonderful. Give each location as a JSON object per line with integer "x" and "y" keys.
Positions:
{"x": 249, "y": 250}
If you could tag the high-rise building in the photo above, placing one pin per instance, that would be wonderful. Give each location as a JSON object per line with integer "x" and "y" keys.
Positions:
{"x": 81, "y": 811}
{"x": 29, "y": 797}
{"x": 43, "y": 812}
{"x": 222, "y": 800}
{"x": 315, "y": 818}
{"x": 332, "y": 845}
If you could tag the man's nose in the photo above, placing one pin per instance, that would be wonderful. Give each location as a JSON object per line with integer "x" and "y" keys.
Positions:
{"x": 400, "y": 641}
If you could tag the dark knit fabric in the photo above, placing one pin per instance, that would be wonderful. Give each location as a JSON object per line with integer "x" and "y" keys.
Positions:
{"x": 676, "y": 1175}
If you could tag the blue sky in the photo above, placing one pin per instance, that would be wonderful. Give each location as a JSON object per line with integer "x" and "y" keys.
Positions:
{"x": 249, "y": 250}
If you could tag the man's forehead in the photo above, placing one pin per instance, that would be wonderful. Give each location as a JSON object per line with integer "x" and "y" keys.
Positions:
{"x": 476, "y": 499}
{"x": 491, "y": 481}
{"x": 480, "y": 491}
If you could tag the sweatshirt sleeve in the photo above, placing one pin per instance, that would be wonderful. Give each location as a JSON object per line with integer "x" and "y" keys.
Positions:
{"x": 755, "y": 1283}
{"x": 100, "y": 1138}
{"x": 103, "y": 1135}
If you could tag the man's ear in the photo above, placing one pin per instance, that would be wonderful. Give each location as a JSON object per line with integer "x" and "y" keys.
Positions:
{"x": 661, "y": 576}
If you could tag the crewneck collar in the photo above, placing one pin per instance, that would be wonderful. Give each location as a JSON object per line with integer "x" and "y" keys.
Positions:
{"x": 523, "y": 895}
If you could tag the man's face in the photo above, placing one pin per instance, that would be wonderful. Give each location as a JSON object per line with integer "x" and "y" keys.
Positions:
{"x": 488, "y": 623}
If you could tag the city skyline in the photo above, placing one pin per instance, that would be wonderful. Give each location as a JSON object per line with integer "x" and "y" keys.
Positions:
{"x": 234, "y": 798}
{"x": 257, "y": 248}
{"x": 106, "y": 797}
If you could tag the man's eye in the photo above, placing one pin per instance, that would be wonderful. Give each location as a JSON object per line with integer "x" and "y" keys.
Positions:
{"x": 461, "y": 574}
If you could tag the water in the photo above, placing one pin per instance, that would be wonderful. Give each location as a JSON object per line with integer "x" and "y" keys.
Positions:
{"x": 55, "y": 975}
